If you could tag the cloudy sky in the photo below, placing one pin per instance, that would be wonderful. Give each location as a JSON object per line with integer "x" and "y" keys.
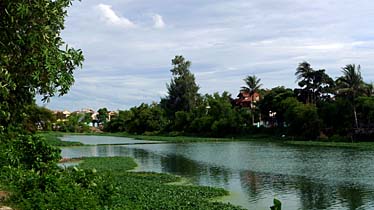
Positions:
{"x": 128, "y": 45}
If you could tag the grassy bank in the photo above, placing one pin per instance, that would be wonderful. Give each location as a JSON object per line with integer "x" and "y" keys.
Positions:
{"x": 186, "y": 139}
{"x": 53, "y": 138}
{"x": 357, "y": 145}
{"x": 150, "y": 190}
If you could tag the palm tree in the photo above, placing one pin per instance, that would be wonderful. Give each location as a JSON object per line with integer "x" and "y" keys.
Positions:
{"x": 304, "y": 74}
{"x": 304, "y": 71}
{"x": 253, "y": 85}
{"x": 314, "y": 83}
{"x": 351, "y": 85}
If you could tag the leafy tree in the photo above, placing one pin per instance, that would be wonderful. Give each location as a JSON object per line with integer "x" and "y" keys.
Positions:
{"x": 336, "y": 116}
{"x": 182, "y": 90}
{"x": 216, "y": 116}
{"x": 302, "y": 119}
{"x": 365, "y": 106}
{"x": 141, "y": 119}
{"x": 119, "y": 123}
{"x": 253, "y": 86}
{"x": 351, "y": 85}
{"x": 315, "y": 84}
{"x": 38, "y": 118}
{"x": 103, "y": 115}
{"x": 33, "y": 57}
{"x": 271, "y": 103}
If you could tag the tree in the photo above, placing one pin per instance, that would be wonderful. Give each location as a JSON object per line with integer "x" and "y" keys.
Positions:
{"x": 216, "y": 116}
{"x": 103, "y": 115}
{"x": 38, "y": 118}
{"x": 351, "y": 85}
{"x": 33, "y": 57}
{"x": 182, "y": 90}
{"x": 271, "y": 103}
{"x": 315, "y": 84}
{"x": 302, "y": 119}
{"x": 253, "y": 86}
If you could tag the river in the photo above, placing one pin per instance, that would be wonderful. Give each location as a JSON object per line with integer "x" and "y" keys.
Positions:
{"x": 301, "y": 177}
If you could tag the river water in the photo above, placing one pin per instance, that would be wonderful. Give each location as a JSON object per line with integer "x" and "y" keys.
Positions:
{"x": 301, "y": 177}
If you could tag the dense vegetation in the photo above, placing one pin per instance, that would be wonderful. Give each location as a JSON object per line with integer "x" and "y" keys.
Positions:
{"x": 320, "y": 108}
{"x": 341, "y": 109}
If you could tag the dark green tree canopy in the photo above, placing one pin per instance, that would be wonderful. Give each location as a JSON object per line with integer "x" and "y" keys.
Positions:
{"x": 314, "y": 84}
{"x": 351, "y": 85}
{"x": 103, "y": 115}
{"x": 182, "y": 90}
{"x": 33, "y": 57}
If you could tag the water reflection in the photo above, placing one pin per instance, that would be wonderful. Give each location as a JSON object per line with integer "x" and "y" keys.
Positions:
{"x": 311, "y": 179}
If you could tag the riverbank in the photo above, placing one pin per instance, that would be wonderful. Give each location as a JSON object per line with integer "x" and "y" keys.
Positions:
{"x": 355, "y": 145}
{"x": 186, "y": 139}
{"x": 53, "y": 139}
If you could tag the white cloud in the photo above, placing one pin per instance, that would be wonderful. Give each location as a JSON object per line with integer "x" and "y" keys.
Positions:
{"x": 112, "y": 18}
{"x": 158, "y": 21}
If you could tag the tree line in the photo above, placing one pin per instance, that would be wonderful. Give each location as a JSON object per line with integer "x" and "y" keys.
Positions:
{"x": 320, "y": 107}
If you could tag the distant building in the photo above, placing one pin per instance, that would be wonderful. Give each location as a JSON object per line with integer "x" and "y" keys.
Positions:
{"x": 245, "y": 99}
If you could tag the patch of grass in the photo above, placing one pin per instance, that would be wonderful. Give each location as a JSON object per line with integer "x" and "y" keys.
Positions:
{"x": 186, "y": 139}
{"x": 144, "y": 190}
{"x": 53, "y": 138}
{"x": 358, "y": 145}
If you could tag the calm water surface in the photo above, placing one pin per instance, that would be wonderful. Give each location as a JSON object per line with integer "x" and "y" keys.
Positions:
{"x": 254, "y": 172}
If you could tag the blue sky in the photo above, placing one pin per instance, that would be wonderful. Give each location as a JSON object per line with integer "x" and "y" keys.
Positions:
{"x": 128, "y": 45}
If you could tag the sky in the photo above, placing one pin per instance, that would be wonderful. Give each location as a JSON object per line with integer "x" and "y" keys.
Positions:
{"x": 128, "y": 45}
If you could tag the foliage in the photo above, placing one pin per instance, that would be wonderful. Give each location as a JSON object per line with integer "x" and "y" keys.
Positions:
{"x": 33, "y": 57}
{"x": 103, "y": 115}
{"x": 271, "y": 103}
{"x": 38, "y": 118}
{"x": 53, "y": 139}
{"x": 365, "y": 106}
{"x": 351, "y": 86}
{"x": 182, "y": 90}
{"x": 315, "y": 84}
{"x": 76, "y": 122}
{"x": 277, "y": 205}
{"x": 302, "y": 119}
{"x": 336, "y": 116}
{"x": 253, "y": 85}
{"x": 141, "y": 119}
{"x": 31, "y": 152}
{"x": 69, "y": 189}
